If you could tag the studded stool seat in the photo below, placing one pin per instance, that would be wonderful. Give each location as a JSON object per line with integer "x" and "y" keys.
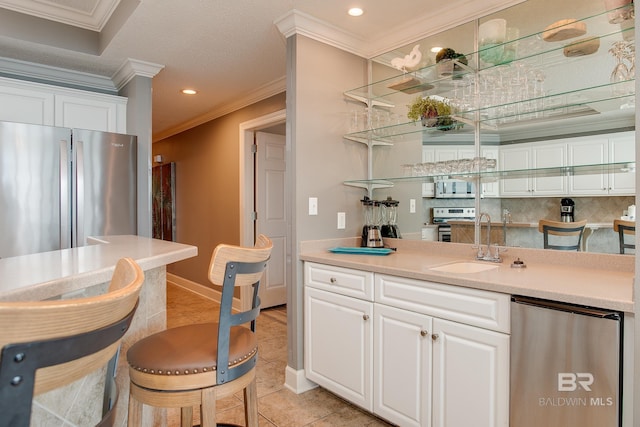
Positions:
{"x": 163, "y": 353}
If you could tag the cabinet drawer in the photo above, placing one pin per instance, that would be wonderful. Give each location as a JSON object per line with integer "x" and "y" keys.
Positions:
{"x": 489, "y": 310}
{"x": 345, "y": 281}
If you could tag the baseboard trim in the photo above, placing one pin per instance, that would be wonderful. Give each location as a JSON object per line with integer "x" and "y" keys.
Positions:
{"x": 296, "y": 381}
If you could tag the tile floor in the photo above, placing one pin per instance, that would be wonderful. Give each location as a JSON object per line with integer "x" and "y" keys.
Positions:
{"x": 277, "y": 405}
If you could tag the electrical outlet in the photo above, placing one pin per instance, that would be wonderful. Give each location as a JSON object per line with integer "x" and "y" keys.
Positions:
{"x": 313, "y": 206}
{"x": 342, "y": 220}
{"x": 412, "y": 205}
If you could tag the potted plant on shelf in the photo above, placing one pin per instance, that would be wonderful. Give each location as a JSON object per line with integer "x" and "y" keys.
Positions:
{"x": 433, "y": 112}
{"x": 445, "y": 66}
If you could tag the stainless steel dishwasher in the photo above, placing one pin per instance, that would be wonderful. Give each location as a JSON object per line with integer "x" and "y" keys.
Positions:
{"x": 566, "y": 365}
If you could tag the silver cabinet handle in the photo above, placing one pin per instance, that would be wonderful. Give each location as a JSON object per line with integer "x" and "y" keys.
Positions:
{"x": 333, "y": 280}
{"x": 424, "y": 333}
{"x": 365, "y": 316}
{"x": 435, "y": 337}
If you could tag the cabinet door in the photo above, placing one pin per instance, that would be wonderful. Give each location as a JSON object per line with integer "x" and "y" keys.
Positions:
{"x": 588, "y": 152}
{"x": 445, "y": 153}
{"x": 512, "y": 159}
{"x": 622, "y": 148}
{"x": 94, "y": 112}
{"x": 402, "y": 366}
{"x": 491, "y": 189}
{"x": 428, "y": 156}
{"x": 470, "y": 376}
{"x": 22, "y": 105}
{"x": 338, "y": 333}
{"x": 549, "y": 156}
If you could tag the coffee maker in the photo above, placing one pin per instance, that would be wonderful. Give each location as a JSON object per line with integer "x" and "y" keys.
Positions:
{"x": 371, "y": 235}
{"x": 566, "y": 210}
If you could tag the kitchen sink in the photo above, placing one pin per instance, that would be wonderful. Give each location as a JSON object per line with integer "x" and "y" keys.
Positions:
{"x": 465, "y": 267}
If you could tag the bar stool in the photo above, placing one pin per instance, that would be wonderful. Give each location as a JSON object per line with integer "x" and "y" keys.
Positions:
{"x": 195, "y": 365}
{"x": 63, "y": 340}
{"x": 624, "y": 228}
{"x": 562, "y": 229}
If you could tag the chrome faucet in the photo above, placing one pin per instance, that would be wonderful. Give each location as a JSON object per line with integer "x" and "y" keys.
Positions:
{"x": 487, "y": 256}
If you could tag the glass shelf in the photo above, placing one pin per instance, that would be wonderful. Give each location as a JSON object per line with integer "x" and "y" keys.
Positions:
{"x": 513, "y": 99}
{"x": 478, "y": 95}
{"x": 488, "y": 176}
{"x": 609, "y": 97}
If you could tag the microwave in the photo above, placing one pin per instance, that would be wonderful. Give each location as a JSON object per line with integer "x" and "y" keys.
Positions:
{"x": 454, "y": 189}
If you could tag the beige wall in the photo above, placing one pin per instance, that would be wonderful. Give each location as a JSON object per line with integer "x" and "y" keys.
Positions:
{"x": 207, "y": 184}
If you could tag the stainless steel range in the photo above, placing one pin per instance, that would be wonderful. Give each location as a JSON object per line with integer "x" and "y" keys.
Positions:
{"x": 441, "y": 216}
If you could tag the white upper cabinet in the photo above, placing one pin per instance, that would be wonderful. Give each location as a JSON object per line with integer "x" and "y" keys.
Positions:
{"x": 523, "y": 157}
{"x": 613, "y": 149}
{"x": 41, "y": 104}
{"x": 20, "y": 104}
{"x": 89, "y": 111}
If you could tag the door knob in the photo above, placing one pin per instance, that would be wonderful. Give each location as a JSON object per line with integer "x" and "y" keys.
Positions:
{"x": 435, "y": 337}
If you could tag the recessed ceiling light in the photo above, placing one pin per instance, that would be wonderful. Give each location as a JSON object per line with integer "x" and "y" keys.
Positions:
{"x": 189, "y": 91}
{"x": 355, "y": 11}
{"x": 436, "y": 49}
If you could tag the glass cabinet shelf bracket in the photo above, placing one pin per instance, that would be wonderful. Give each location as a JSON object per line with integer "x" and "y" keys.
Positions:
{"x": 369, "y": 185}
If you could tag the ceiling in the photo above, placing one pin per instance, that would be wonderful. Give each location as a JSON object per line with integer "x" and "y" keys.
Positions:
{"x": 232, "y": 52}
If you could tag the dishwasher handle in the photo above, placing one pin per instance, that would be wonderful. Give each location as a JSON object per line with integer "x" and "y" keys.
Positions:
{"x": 567, "y": 307}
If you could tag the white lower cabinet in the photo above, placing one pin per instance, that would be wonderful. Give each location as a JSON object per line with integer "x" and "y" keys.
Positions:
{"x": 402, "y": 366}
{"x": 415, "y": 353}
{"x": 470, "y": 376}
{"x": 339, "y": 345}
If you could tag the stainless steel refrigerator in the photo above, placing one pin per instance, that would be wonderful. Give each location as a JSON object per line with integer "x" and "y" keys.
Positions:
{"x": 58, "y": 186}
{"x": 566, "y": 365}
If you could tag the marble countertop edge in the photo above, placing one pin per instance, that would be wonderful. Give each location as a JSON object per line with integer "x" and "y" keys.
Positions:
{"x": 49, "y": 274}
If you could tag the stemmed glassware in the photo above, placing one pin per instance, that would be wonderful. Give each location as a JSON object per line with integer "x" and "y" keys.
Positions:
{"x": 624, "y": 54}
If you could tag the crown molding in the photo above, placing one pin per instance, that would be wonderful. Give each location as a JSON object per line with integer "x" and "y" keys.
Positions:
{"x": 46, "y": 74}
{"x": 131, "y": 68}
{"x": 268, "y": 90}
{"x": 296, "y": 22}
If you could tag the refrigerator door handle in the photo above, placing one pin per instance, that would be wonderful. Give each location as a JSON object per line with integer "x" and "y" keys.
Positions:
{"x": 79, "y": 208}
{"x": 65, "y": 190}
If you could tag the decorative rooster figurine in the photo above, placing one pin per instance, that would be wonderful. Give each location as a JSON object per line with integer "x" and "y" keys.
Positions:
{"x": 409, "y": 61}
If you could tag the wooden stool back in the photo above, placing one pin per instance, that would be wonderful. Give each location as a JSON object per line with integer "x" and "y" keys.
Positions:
{"x": 557, "y": 228}
{"x": 48, "y": 344}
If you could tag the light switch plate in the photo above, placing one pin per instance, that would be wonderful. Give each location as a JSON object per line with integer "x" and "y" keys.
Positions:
{"x": 313, "y": 206}
{"x": 342, "y": 220}
{"x": 412, "y": 205}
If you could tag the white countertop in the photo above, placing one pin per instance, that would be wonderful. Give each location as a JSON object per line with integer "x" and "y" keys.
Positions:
{"x": 49, "y": 274}
{"x": 597, "y": 280}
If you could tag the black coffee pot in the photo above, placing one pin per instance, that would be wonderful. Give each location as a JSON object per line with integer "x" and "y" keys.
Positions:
{"x": 567, "y": 207}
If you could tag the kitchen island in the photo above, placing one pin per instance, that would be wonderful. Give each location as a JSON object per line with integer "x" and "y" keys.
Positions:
{"x": 427, "y": 327}
{"x": 85, "y": 271}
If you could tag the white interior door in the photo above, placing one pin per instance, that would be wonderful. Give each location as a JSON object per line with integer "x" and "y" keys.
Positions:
{"x": 271, "y": 213}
